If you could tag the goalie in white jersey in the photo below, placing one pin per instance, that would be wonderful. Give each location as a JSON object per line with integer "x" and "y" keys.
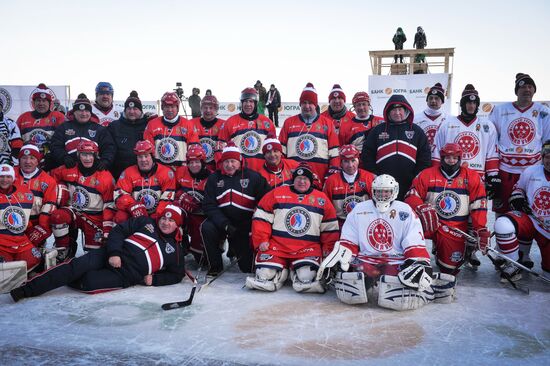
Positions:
{"x": 383, "y": 244}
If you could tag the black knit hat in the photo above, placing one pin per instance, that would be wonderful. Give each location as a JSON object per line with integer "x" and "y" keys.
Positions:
{"x": 133, "y": 101}
{"x": 82, "y": 103}
{"x": 521, "y": 80}
{"x": 469, "y": 94}
{"x": 303, "y": 169}
{"x": 437, "y": 89}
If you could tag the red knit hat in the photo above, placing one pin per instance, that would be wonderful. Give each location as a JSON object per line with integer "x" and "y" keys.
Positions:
{"x": 360, "y": 97}
{"x": 30, "y": 149}
{"x": 231, "y": 151}
{"x": 172, "y": 212}
{"x": 336, "y": 92}
{"x": 309, "y": 94}
{"x": 272, "y": 144}
{"x": 42, "y": 92}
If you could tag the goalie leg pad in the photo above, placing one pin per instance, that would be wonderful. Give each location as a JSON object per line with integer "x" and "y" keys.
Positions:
{"x": 351, "y": 287}
{"x": 12, "y": 275}
{"x": 392, "y": 294}
{"x": 444, "y": 288}
{"x": 303, "y": 280}
{"x": 267, "y": 279}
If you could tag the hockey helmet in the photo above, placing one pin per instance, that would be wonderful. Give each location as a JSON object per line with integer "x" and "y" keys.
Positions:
{"x": 360, "y": 97}
{"x": 170, "y": 98}
{"x": 104, "y": 87}
{"x": 450, "y": 149}
{"x": 87, "y": 146}
{"x": 349, "y": 152}
{"x": 384, "y": 191}
{"x": 210, "y": 100}
{"x": 144, "y": 147}
{"x": 249, "y": 93}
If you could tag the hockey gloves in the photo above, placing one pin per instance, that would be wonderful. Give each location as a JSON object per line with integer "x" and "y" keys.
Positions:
{"x": 340, "y": 254}
{"x": 519, "y": 203}
{"x": 189, "y": 203}
{"x": 483, "y": 238}
{"x": 416, "y": 274}
{"x": 138, "y": 210}
{"x": 428, "y": 218}
{"x": 492, "y": 186}
{"x": 37, "y": 235}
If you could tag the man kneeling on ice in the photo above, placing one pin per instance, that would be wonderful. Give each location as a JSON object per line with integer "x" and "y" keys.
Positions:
{"x": 138, "y": 251}
{"x": 383, "y": 248}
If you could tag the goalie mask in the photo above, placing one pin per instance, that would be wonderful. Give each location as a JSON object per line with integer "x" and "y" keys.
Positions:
{"x": 384, "y": 191}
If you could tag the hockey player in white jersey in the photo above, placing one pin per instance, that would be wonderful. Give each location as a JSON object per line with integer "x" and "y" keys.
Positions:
{"x": 383, "y": 246}
{"x": 103, "y": 106}
{"x": 433, "y": 116}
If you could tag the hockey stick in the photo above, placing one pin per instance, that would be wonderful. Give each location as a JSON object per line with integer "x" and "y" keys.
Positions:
{"x": 233, "y": 262}
{"x": 182, "y": 304}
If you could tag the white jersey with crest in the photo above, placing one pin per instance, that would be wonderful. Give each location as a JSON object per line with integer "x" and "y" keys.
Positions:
{"x": 106, "y": 118}
{"x": 388, "y": 237}
{"x": 430, "y": 126}
{"x": 535, "y": 185}
{"x": 521, "y": 133}
{"x": 478, "y": 141}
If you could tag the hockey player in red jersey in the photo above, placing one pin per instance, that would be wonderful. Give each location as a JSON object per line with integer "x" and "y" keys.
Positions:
{"x": 171, "y": 134}
{"x": 311, "y": 138}
{"x": 277, "y": 170}
{"x": 354, "y": 132}
{"x": 522, "y": 126}
{"x": 350, "y": 186}
{"x": 248, "y": 130}
{"x": 145, "y": 188}
{"x": 191, "y": 180}
{"x": 383, "y": 248}
{"x": 207, "y": 128}
{"x": 337, "y": 110}
{"x": 446, "y": 196}
{"x": 91, "y": 203}
{"x": 37, "y": 126}
{"x": 530, "y": 219}
{"x": 432, "y": 117}
{"x": 44, "y": 190}
{"x": 15, "y": 210}
{"x": 292, "y": 228}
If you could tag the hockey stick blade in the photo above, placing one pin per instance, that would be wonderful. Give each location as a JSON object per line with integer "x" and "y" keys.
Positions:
{"x": 182, "y": 304}
{"x": 521, "y": 266}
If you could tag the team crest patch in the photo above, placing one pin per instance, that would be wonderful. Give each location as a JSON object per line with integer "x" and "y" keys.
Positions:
{"x": 266, "y": 125}
{"x": 362, "y": 185}
{"x": 349, "y": 203}
{"x": 6, "y": 100}
{"x": 251, "y": 143}
{"x": 70, "y": 132}
{"x": 321, "y": 201}
{"x": 469, "y": 142}
{"x": 541, "y": 201}
{"x": 265, "y": 257}
{"x": 447, "y": 204}
{"x": 220, "y": 184}
{"x": 36, "y": 252}
{"x": 80, "y": 198}
{"x": 306, "y": 146}
{"x": 43, "y": 186}
{"x": 169, "y": 249}
{"x": 167, "y": 150}
{"x": 486, "y": 128}
{"x": 92, "y": 133}
{"x": 383, "y": 136}
{"x": 183, "y": 130}
{"x": 244, "y": 182}
{"x": 29, "y": 196}
{"x": 521, "y": 131}
{"x": 149, "y": 198}
{"x": 456, "y": 257}
{"x": 403, "y": 215}
{"x": 297, "y": 221}
{"x": 14, "y": 219}
{"x": 38, "y": 137}
{"x": 380, "y": 235}
{"x": 150, "y": 228}
{"x": 409, "y": 134}
{"x": 209, "y": 146}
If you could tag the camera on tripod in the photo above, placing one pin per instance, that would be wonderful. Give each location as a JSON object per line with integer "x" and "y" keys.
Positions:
{"x": 179, "y": 91}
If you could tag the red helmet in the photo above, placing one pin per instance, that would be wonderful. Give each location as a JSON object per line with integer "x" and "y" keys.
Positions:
{"x": 450, "y": 149}
{"x": 170, "y": 98}
{"x": 195, "y": 151}
{"x": 144, "y": 147}
{"x": 249, "y": 93}
{"x": 87, "y": 146}
{"x": 360, "y": 97}
{"x": 349, "y": 152}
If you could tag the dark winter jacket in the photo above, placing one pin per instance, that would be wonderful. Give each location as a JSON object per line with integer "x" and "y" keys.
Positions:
{"x": 398, "y": 149}
{"x": 276, "y": 103}
{"x": 232, "y": 200}
{"x": 141, "y": 245}
{"x": 125, "y": 135}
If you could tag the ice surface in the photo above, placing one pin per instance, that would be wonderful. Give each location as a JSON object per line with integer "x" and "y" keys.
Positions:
{"x": 489, "y": 324}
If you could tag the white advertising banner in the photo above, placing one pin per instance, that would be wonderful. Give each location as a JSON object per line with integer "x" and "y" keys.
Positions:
{"x": 149, "y": 106}
{"x": 16, "y": 99}
{"x": 413, "y": 87}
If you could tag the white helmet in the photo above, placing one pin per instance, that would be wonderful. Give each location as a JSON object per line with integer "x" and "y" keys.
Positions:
{"x": 384, "y": 191}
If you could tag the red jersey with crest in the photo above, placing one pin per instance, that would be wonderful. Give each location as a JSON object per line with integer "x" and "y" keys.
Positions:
{"x": 44, "y": 190}
{"x": 248, "y": 136}
{"x": 338, "y": 123}
{"x": 353, "y": 133}
{"x": 454, "y": 199}
{"x": 316, "y": 144}
{"x": 170, "y": 140}
{"x": 155, "y": 189}
{"x": 39, "y": 131}
{"x": 91, "y": 195}
{"x": 295, "y": 225}
{"x": 430, "y": 125}
{"x": 521, "y": 133}
{"x": 384, "y": 237}
{"x": 478, "y": 140}
{"x": 282, "y": 176}
{"x": 534, "y": 184}
{"x": 15, "y": 213}
{"x": 208, "y": 138}
{"x": 345, "y": 196}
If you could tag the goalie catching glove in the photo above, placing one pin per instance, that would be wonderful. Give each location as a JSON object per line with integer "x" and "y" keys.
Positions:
{"x": 416, "y": 274}
{"x": 340, "y": 254}
{"x": 428, "y": 218}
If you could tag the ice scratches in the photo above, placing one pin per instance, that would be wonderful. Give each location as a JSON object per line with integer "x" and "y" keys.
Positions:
{"x": 524, "y": 345}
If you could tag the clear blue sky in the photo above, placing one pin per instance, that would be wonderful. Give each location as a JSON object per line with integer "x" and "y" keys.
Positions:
{"x": 228, "y": 45}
